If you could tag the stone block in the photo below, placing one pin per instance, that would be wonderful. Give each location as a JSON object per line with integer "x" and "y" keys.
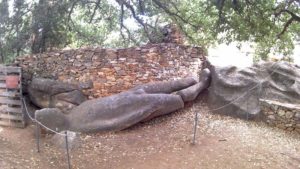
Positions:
{"x": 289, "y": 114}
{"x": 281, "y": 112}
{"x": 297, "y": 116}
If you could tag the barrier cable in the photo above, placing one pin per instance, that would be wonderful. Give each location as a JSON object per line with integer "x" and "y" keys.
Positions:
{"x": 38, "y": 124}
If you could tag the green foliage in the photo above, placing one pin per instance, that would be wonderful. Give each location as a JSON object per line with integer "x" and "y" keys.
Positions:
{"x": 210, "y": 22}
{"x": 41, "y": 25}
{"x": 91, "y": 28}
{"x": 13, "y": 28}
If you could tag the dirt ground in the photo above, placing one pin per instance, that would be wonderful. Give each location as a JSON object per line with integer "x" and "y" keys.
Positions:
{"x": 163, "y": 143}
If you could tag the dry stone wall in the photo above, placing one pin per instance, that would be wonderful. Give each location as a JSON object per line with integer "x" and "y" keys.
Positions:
{"x": 111, "y": 71}
{"x": 282, "y": 115}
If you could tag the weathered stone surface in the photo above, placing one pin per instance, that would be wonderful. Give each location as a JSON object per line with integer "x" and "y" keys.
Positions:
{"x": 120, "y": 111}
{"x": 106, "y": 66}
{"x": 281, "y": 112}
{"x": 47, "y": 93}
{"x": 271, "y": 117}
{"x": 53, "y": 118}
{"x": 86, "y": 85}
{"x": 190, "y": 93}
{"x": 274, "y": 81}
{"x": 166, "y": 87}
{"x": 289, "y": 114}
{"x": 284, "y": 117}
{"x": 75, "y": 97}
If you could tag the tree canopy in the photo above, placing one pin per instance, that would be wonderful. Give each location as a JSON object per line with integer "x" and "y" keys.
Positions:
{"x": 37, "y": 26}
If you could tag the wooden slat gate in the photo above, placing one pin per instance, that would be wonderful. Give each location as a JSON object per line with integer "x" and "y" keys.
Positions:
{"x": 11, "y": 107}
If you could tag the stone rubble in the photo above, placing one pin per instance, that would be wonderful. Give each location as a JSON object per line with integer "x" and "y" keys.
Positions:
{"x": 282, "y": 115}
{"x": 114, "y": 70}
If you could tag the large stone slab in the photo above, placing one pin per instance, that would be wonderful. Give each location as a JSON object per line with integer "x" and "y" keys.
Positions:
{"x": 236, "y": 91}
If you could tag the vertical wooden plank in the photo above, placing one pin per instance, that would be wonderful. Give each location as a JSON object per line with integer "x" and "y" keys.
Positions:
{"x": 21, "y": 98}
{"x": 11, "y": 116}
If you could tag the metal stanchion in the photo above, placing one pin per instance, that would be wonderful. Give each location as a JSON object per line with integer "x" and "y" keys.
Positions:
{"x": 247, "y": 116}
{"x": 67, "y": 148}
{"x": 37, "y": 134}
{"x": 195, "y": 128}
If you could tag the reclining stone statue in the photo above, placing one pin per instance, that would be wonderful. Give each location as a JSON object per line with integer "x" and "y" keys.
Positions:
{"x": 120, "y": 111}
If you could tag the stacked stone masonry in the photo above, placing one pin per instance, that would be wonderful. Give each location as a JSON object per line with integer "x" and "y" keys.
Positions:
{"x": 112, "y": 71}
{"x": 282, "y": 115}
